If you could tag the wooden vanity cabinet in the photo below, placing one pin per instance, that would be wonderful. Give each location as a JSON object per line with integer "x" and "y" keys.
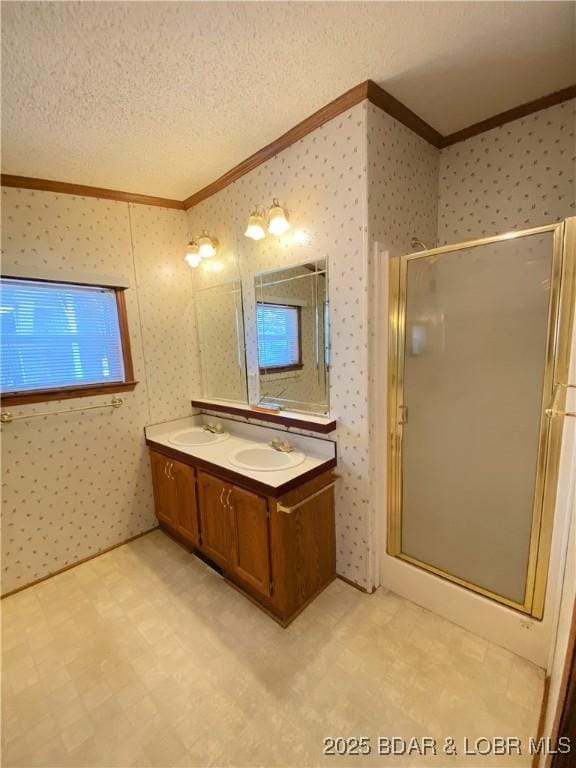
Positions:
{"x": 251, "y": 537}
{"x": 175, "y": 495}
{"x": 303, "y": 544}
{"x": 163, "y": 489}
{"x": 235, "y": 531}
{"x": 215, "y": 518}
{"x": 280, "y": 551}
{"x": 183, "y": 480}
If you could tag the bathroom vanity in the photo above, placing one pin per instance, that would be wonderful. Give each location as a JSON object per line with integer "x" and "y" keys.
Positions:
{"x": 263, "y": 516}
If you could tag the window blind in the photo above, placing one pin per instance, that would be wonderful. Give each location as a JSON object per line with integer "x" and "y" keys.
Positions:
{"x": 278, "y": 335}
{"x": 58, "y": 335}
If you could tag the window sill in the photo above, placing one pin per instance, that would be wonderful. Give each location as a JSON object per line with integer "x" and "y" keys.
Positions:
{"x": 281, "y": 369}
{"x": 65, "y": 393}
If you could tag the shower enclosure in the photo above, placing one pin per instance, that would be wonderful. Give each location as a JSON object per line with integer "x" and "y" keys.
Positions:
{"x": 480, "y": 345}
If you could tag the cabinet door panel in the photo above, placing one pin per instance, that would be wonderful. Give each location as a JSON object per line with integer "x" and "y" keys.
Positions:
{"x": 164, "y": 492}
{"x": 215, "y": 518}
{"x": 251, "y": 556}
{"x": 182, "y": 477}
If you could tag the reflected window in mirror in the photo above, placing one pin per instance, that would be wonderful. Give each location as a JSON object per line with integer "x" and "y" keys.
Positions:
{"x": 279, "y": 337}
{"x": 292, "y": 320}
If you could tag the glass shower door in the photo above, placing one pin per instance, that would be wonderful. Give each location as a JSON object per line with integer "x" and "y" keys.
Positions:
{"x": 472, "y": 375}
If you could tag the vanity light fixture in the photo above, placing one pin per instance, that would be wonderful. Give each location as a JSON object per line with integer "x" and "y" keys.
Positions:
{"x": 206, "y": 246}
{"x": 202, "y": 248}
{"x": 256, "y": 229}
{"x": 277, "y": 219}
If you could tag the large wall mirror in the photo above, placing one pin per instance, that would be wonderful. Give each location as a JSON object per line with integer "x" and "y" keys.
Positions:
{"x": 292, "y": 336}
{"x": 221, "y": 340}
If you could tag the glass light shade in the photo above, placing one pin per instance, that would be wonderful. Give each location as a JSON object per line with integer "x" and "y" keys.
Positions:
{"x": 192, "y": 256}
{"x": 256, "y": 227}
{"x": 277, "y": 219}
{"x": 206, "y": 246}
{"x": 193, "y": 259}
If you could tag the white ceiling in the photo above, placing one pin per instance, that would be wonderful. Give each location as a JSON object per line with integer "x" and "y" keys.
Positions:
{"x": 161, "y": 98}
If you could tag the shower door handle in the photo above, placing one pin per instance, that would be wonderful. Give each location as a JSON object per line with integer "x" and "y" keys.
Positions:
{"x": 403, "y": 415}
{"x": 553, "y": 410}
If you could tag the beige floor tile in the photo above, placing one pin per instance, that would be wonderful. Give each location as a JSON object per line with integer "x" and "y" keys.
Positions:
{"x": 163, "y": 747}
{"x": 77, "y": 732}
{"x": 145, "y": 657}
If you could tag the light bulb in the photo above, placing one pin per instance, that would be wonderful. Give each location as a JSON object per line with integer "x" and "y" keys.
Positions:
{"x": 193, "y": 259}
{"x": 192, "y": 256}
{"x": 277, "y": 219}
{"x": 255, "y": 229}
{"x": 206, "y": 246}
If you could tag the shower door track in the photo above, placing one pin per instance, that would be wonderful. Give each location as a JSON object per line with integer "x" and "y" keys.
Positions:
{"x": 557, "y": 361}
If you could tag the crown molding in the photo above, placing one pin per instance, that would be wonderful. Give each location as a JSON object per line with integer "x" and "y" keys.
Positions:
{"x": 365, "y": 91}
{"x": 387, "y": 103}
{"x": 333, "y": 109}
{"x": 522, "y": 110}
{"x": 47, "y": 185}
{"x": 372, "y": 92}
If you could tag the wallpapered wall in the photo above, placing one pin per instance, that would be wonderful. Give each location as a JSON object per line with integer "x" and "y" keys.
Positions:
{"x": 402, "y": 178}
{"x": 402, "y": 185}
{"x": 74, "y": 485}
{"x": 321, "y": 181}
{"x": 361, "y": 178}
{"x": 325, "y": 181}
{"x": 518, "y": 176}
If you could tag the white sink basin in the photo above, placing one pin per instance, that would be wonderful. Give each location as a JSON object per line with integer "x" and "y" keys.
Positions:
{"x": 263, "y": 458}
{"x": 197, "y": 436}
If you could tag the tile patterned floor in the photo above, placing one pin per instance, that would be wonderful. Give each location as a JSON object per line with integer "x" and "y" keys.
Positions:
{"x": 145, "y": 657}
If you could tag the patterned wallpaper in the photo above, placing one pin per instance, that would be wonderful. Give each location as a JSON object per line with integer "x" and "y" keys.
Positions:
{"x": 74, "y": 485}
{"x": 518, "y": 176}
{"x": 166, "y": 302}
{"x": 402, "y": 203}
{"x": 402, "y": 185}
{"x": 360, "y": 169}
{"x": 359, "y": 179}
{"x": 321, "y": 181}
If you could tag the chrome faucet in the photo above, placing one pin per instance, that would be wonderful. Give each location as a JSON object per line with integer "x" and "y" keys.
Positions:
{"x": 215, "y": 429}
{"x": 282, "y": 445}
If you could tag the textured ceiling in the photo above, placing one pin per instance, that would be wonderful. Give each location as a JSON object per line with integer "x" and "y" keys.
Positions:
{"x": 163, "y": 97}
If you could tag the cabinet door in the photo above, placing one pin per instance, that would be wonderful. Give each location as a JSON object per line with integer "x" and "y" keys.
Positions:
{"x": 251, "y": 554}
{"x": 182, "y": 478}
{"x": 215, "y": 518}
{"x": 165, "y": 501}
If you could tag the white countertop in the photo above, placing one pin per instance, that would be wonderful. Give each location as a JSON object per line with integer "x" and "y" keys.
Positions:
{"x": 318, "y": 451}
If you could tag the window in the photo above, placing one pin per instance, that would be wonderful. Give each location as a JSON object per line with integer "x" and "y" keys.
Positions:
{"x": 62, "y": 340}
{"x": 279, "y": 337}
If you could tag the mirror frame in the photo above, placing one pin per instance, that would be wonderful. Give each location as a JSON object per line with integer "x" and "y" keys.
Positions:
{"x": 253, "y": 371}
